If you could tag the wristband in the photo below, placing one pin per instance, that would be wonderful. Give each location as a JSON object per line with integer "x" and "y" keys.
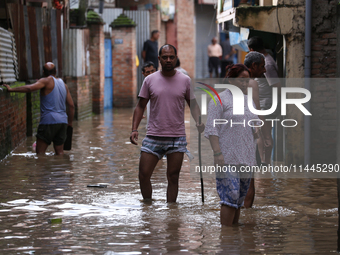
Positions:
{"x": 134, "y": 130}
{"x": 217, "y": 154}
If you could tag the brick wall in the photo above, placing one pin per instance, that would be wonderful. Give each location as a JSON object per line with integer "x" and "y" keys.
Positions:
{"x": 97, "y": 61}
{"x": 155, "y": 21}
{"x": 81, "y": 93}
{"x": 33, "y": 112}
{"x": 186, "y": 34}
{"x": 124, "y": 67}
{"x": 12, "y": 120}
{"x": 171, "y": 32}
{"x": 324, "y": 39}
{"x": 323, "y": 103}
{"x": 163, "y": 35}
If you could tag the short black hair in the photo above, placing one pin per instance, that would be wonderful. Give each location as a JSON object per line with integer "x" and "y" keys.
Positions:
{"x": 47, "y": 72}
{"x": 147, "y": 64}
{"x": 160, "y": 50}
{"x": 154, "y": 32}
{"x": 178, "y": 63}
{"x": 256, "y": 43}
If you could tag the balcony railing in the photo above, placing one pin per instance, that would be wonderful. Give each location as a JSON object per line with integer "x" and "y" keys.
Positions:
{"x": 225, "y": 5}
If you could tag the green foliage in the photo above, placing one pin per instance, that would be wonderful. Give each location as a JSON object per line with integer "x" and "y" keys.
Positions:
{"x": 15, "y": 95}
{"x": 123, "y": 21}
{"x": 93, "y": 17}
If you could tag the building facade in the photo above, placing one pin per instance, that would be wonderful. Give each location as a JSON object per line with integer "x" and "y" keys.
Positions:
{"x": 313, "y": 139}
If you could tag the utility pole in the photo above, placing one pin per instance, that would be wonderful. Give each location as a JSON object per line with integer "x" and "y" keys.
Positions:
{"x": 49, "y": 4}
{"x": 338, "y": 112}
{"x": 83, "y": 4}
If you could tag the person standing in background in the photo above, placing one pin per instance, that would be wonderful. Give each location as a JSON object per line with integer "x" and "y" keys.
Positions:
{"x": 214, "y": 53}
{"x": 227, "y": 55}
{"x": 255, "y": 62}
{"x": 266, "y": 82}
{"x": 147, "y": 69}
{"x": 150, "y": 49}
{"x": 179, "y": 68}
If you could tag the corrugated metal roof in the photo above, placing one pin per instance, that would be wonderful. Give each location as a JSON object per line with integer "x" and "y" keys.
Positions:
{"x": 142, "y": 19}
{"x": 74, "y": 53}
{"x": 109, "y": 15}
{"x": 8, "y": 57}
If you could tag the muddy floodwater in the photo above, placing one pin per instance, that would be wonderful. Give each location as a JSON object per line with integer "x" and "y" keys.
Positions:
{"x": 289, "y": 216}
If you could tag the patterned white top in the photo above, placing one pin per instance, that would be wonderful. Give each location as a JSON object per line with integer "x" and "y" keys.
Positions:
{"x": 236, "y": 140}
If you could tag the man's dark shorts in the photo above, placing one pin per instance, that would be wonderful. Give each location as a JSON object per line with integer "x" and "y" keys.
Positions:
{"x": 213, "y": 64}
{"x": 55, "y": 133}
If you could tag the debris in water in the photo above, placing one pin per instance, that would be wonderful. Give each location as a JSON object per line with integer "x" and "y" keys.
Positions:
{"x": 96, "y": 186}
{"x": 55, "y": 221}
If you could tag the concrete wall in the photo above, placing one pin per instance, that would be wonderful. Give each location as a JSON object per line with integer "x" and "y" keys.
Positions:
{"x": 323, "y": 102}
{"x": 324, "y": 51}
{"x": 324, "y": 65}
{"x": 12, "y": 120}
{"x": 205, "y": 31}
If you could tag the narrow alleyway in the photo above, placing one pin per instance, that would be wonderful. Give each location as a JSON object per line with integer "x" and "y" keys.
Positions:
{"x": 288, "y": 216}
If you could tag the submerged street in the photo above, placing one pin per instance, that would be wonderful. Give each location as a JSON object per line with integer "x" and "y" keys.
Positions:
{"x": 288, "y": 216}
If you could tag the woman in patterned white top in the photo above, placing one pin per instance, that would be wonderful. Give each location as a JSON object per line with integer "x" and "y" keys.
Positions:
{"x": 234, "y": 145}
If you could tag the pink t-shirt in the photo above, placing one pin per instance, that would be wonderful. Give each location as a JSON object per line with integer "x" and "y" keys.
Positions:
{"x": 167, "y": 97}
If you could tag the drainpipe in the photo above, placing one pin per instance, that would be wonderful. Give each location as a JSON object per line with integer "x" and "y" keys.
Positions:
{"x": 284, "y": 85}
{"x": 308, "y": 51}
{"x": 338, "y": 114}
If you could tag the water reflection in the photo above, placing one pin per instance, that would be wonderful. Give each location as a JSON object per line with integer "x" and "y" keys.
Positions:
{"x": 289, "y": 216}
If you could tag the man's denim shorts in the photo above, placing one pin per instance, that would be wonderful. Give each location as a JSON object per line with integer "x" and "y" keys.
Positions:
{"x": 159, "y": 146}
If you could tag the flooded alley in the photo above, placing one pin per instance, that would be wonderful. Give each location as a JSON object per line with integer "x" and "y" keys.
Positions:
{"x": 289, "y": 215}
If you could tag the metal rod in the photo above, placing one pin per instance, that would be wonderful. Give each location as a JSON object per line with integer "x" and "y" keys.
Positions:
{"x": 200, "y": 160}
{"x": 338, "y": 116}
{"x": 308, "y": 52}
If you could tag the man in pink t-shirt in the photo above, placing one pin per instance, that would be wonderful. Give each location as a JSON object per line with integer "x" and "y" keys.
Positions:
{"x": 167, "y": 90}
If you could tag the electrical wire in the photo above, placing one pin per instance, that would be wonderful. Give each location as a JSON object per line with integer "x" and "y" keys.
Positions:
{"x": 214, "y": 18}
{"x": 278, "y": 23}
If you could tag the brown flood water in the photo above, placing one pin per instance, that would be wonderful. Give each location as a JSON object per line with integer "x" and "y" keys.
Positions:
{"x": 291, "y": 216}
